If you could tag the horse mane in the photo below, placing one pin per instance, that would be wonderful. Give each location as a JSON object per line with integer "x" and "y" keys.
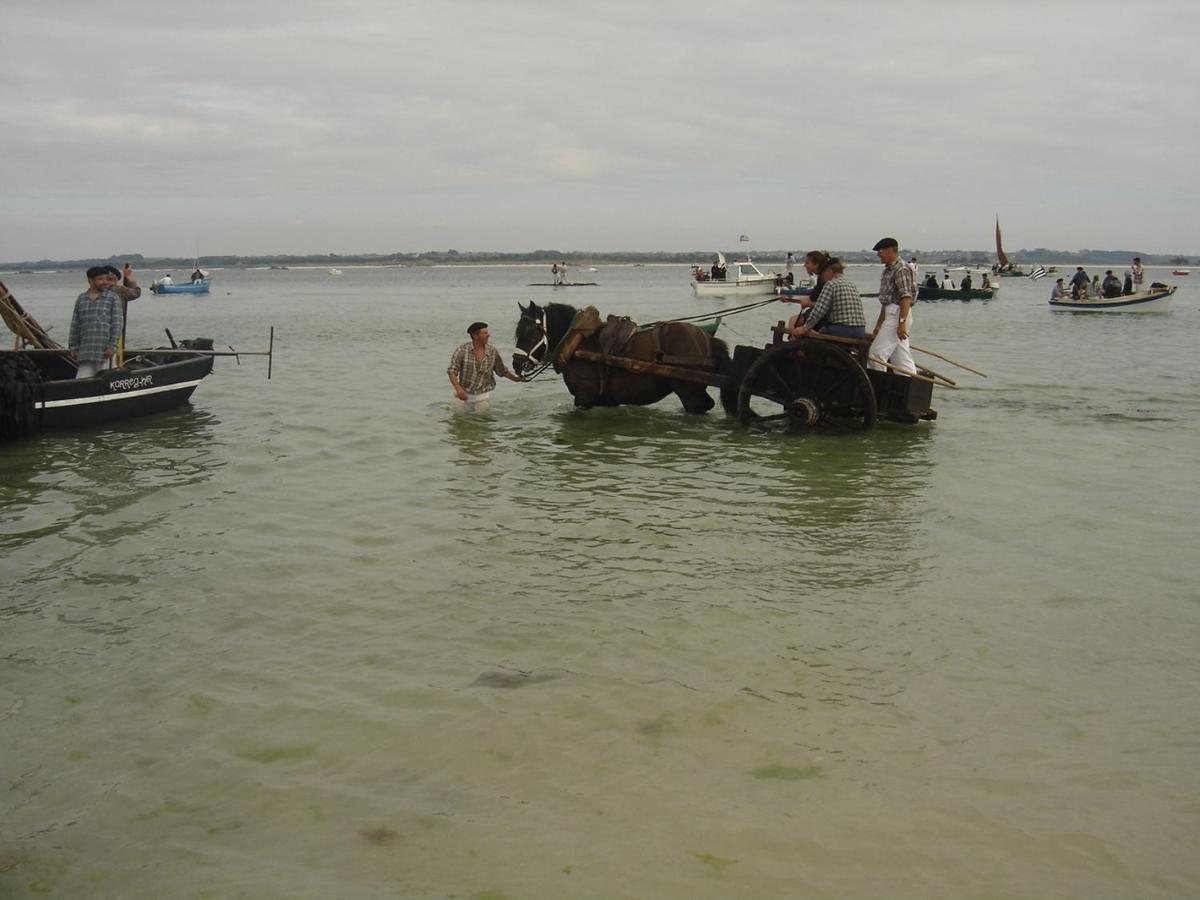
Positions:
{"x": 558, "y": 320}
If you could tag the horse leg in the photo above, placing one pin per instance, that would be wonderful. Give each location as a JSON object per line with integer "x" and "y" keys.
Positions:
{"x": 695, "y": 398}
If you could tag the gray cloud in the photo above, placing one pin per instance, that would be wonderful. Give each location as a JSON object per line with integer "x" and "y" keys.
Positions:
{"x": 281, "y": 127}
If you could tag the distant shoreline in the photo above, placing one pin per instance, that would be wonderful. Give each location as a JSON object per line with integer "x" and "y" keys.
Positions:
{"x": 577, "y": 260}
{"x": 772, "y": 266}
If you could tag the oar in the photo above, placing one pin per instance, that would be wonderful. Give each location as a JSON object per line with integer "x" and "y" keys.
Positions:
{"x": 952, "y": 362}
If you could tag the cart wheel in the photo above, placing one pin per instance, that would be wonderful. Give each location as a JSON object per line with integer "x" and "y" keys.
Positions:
{"x": 806, "y": 383}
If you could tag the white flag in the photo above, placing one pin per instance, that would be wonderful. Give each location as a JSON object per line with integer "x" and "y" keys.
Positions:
{"x": 1037, "y": 273}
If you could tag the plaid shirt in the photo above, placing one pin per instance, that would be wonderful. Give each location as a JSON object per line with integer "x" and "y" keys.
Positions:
{"x": 474, "y": 376}
{"x": 896, "y": 282}
{"x": 838, "y": 304}
{"x": 95, "y": 326}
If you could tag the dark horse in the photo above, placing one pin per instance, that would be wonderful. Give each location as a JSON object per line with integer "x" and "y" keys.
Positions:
{"x": 541, "y": 331}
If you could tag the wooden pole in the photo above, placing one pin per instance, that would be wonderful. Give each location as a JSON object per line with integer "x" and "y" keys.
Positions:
{"x": 949, "y": 381}
{"x": 952, "y": 362}
{"x": 876, "y": 359}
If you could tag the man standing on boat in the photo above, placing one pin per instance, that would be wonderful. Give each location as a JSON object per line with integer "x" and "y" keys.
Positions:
{"x": 889, "y": 340}
{"x": 474, "y": 367}
{"x": 127, "y": 292}
{"x": 96, "y": 324}
{"x": 1138, "y": 274}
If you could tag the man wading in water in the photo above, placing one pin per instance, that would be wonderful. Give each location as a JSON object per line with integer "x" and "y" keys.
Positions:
{"x": 474, "y": 367}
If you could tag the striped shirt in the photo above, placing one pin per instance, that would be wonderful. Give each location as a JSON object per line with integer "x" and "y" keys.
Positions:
{"x": 474, "y": 376}
{"x": 896, "y": 282}
{"x": 838, "y": 304}
{"x": 95, "y": 326}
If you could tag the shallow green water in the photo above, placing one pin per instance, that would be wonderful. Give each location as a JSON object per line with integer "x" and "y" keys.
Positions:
{"x": 322, "y": 636}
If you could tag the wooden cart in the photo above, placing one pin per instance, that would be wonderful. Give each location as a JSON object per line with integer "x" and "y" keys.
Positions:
{"x": 799, "y": 384}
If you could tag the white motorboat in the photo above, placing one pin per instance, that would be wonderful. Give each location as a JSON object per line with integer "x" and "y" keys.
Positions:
{"x": 1153, "y": 300}
{"x": 743, "y": 279}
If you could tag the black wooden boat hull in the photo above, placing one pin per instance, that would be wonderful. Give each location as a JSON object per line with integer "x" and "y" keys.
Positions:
{"x": 147, "y": 386}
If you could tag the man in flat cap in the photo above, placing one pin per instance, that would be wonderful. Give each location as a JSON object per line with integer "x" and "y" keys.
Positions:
{"x": 474, "y": 367}
{"x": 96, "y": 324}
{"x": 897, "y": 291}
{"x": 127, "y": 292}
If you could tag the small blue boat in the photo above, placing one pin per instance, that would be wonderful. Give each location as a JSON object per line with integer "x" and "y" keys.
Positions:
{"x": 200, "y": 286}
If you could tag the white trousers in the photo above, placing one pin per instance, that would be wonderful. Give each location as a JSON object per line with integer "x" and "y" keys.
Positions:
{"x": 477, "y": 402}
{"x": 88, "y": 369}
{"x": 887, "y": 344}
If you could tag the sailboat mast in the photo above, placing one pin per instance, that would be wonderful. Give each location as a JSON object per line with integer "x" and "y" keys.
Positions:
{"x": 1004, "y": 263}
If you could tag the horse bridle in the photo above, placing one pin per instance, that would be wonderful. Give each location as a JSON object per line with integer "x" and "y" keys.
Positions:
{"x": 540, "y": 346}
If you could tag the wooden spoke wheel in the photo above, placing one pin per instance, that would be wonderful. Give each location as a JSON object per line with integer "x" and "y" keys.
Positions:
{"x": 804, "y": 384}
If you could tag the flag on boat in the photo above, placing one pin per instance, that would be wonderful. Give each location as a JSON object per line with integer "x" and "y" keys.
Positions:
{"x": 744, "y": 237}
{"x": 1039, "y": 272}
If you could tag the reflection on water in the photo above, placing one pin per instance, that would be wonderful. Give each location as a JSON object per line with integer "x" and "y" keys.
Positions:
{"x": 619, "y": 496}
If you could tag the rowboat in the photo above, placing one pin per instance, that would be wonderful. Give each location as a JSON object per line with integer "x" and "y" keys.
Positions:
{"x": 562, "y": 284}
{"x": 802, "y": 291}
{"x": 39, "y": 390}
{"x": 1153, "y": 300}
{"x": 744, "y": 279}
{"x": 1182, "y": 272}
{"x": 925, "y": 292}
{"x": 55, "y": 400}
{"x": 190, "y": 287}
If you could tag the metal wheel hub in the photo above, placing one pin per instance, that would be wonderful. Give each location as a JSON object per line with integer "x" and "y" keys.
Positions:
{"x": 805, "y": 411}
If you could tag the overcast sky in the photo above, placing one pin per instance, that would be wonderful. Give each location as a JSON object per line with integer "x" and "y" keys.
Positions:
{"x": 265, "y": 126}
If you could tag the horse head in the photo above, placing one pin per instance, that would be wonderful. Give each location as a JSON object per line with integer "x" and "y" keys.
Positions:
{"x": 532, "y": 338}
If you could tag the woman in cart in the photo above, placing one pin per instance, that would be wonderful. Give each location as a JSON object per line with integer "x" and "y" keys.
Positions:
{"x": 838, "y": 310}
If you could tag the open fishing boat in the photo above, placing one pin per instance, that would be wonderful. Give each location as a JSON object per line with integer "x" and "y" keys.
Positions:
{"x": 925, "y": 292}
{"x": 1157, "y": 299}
{"x": 1181, "y": 272}
{"x": 743, "y": 279}
{"x": 39, "y": 391}
{"x": 189, "y": 287}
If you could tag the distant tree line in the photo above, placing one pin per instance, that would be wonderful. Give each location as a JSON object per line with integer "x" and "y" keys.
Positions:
{"x": 587, "y": 257}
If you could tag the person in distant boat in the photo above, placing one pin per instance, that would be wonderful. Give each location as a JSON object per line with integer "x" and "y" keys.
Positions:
{"x": 1139, "y": 274}
{"x": 1060, "y": 290}
{"x": 916, "y": 270}
{"x": 931, "y": 280}
{"x": 1127, "y": 289}
{"x": 197, "y": 276}
{"x": 889, "y": 340}
{"x": 1079, "y": 283}
{"x": 986, "y": 284}
{"x": 554, "y": 272}
{"x": 1111, "y": 286}
{"x": 474, "y": 367}
{"x": 1094, "y": 288}
{"x": 718, "y": 271}
{"x": 965, "y": 284}
{"x": 838, "y": 310}
{"x": 562, "y": 272}
{"x": 814, "y": 260}
{"x": 166, "y": 279}
{"x": 947, "y": 281}
{"x": 789, "y": 269}
{"x": 96, "y": 324}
